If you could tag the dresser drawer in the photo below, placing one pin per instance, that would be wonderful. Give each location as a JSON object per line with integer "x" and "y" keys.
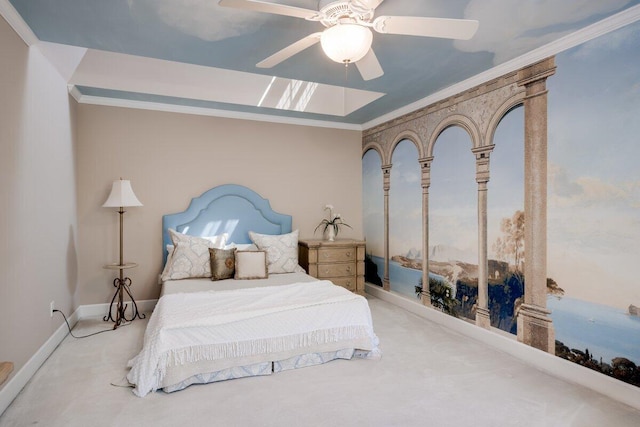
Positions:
{"x": 336, "y": 254}
{"x": 326, "y": 271}
{"x": 340, "y": 261}
{"x": 348, "y": 283}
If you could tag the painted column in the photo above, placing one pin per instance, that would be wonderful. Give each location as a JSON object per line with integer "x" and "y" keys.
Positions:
{"x": 482, "y": 178}
{"x": 425, "y": 167}
{"x": 535, "y": 327}
{"x": 386, "y": 185}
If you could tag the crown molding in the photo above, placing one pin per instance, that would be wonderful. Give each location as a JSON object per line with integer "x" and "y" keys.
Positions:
{"x": 605, "y": 26}
{"x": 183, "y": 109}
{"x": 13, "y": 18}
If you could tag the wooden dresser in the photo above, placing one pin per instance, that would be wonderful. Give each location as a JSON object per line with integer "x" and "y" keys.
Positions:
{"x": 341, "y": 261}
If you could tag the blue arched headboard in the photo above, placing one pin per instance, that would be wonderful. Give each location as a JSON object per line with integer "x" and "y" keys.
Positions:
{"x": 229, "y": 208}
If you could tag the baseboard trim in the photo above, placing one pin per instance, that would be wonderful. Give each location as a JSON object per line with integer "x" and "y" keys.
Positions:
{"x": 556, "y": 366}
{"x": 97, "y": 310}
{"x": 17, "y": 382}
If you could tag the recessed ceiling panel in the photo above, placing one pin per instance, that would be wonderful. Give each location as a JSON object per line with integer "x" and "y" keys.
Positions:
{"x": 115, "y": 71}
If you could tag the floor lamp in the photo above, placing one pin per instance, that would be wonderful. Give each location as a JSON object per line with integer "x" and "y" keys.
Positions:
{"x": 122, "y": 196}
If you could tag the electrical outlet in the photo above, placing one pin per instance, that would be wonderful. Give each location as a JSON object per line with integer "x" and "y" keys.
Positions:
{"x": 52, "y": 306}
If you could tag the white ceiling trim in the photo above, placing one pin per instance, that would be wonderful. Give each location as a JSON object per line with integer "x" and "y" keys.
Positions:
{"x": 607, "y": 25}
{"x": 182, "y": 109}
{"x": 11, "y": 15}
{"x": 63, "y": 57}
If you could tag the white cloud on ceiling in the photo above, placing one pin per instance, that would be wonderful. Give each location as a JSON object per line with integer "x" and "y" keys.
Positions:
{"x": 526, "y": 24}
{"x": 205, "y": 19}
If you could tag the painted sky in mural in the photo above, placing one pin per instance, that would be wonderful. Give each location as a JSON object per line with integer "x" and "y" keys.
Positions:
{"x": 453, "y": 220}
{"x": 594, "y": 183}
{"x": 373, "y": 202}
{"x": 405, "y": 200}
{"x": 506, "y": 185}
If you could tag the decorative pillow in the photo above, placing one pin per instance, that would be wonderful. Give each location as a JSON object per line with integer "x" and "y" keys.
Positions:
{"x": 251, "y": 265}
{"x": 223, "y": 263}
{"x": 190, "y": 257}
{"x": 282, "y": 250}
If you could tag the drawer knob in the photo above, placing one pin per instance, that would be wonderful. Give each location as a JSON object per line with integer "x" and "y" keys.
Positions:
{"x": 348, "y": 253}
{"x": 349, "y": 269}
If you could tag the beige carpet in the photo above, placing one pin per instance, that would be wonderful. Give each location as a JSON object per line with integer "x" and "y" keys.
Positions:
{"x": 428, "y": 376}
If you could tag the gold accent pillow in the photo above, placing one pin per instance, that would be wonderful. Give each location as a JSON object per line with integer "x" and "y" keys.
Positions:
{"x": 223, "y": 263}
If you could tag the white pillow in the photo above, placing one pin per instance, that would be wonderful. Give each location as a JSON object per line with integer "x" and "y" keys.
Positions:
{"x": 282, "y": 250}
{"x": 190, "y": 257}
{"x": 242, "y": 246}
{"x": 251, "y": 265}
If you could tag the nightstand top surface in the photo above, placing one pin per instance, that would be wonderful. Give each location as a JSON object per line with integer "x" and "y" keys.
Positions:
{"x": 337, "y": 242}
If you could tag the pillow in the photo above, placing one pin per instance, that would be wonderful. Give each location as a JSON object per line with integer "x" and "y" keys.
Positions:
{"x": 190, "y": 257}
{"x": 251, "y": 265}
{"x": 242, "y": 246}
{"x": 282, "y": 250}
{"x": 217, "y": 241}
{"x": 223, "y": 263}
{"x": 167, "y": 264}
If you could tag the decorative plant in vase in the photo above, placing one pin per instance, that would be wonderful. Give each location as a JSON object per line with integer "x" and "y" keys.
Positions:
{"x": 332, "y": 225}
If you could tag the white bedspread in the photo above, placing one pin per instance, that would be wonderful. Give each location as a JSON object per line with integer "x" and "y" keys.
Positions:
{"x": 248, "y": 326}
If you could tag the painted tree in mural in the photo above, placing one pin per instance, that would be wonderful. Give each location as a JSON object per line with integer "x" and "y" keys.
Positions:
{"x": 510, "y": 247}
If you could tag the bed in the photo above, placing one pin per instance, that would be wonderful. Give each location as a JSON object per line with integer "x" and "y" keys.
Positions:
{"x": 267, "y": 316}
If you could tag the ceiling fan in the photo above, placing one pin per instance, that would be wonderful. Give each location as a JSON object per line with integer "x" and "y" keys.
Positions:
{"x": 347, "y": 37}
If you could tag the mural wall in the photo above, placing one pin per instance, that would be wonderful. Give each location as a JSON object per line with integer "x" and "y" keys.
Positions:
{"x": 593, "y": 224}
{"x": 594, "y": 201}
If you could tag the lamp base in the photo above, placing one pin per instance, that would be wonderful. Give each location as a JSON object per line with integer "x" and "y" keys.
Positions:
{"x": 122, "y": 285}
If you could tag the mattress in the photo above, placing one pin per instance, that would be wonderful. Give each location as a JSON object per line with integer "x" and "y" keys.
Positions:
{"x": 206, "y": 284}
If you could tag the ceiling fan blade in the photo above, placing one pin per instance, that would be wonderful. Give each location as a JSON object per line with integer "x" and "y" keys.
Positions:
{"x": 369, "y": 66}
{"x": 277, "y": 9}
{"x": 289, "y": 51}
{"x": 459, "y": 29}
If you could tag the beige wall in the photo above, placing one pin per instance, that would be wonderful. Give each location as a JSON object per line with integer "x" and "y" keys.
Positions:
{"x": 171, "y": 158}
{"x": 37, "y": 199}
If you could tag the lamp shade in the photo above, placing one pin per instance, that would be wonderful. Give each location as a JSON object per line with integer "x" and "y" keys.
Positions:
{"x": 121, "y": 195}
{"x": 346, "y": 43}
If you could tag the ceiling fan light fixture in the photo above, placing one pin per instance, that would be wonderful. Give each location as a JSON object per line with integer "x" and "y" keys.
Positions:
{"x": 346, "y": 43}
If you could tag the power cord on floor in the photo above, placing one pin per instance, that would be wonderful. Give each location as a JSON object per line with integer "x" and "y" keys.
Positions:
{"x": 89, "y": 335}
{"x": 124, "y": 383}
